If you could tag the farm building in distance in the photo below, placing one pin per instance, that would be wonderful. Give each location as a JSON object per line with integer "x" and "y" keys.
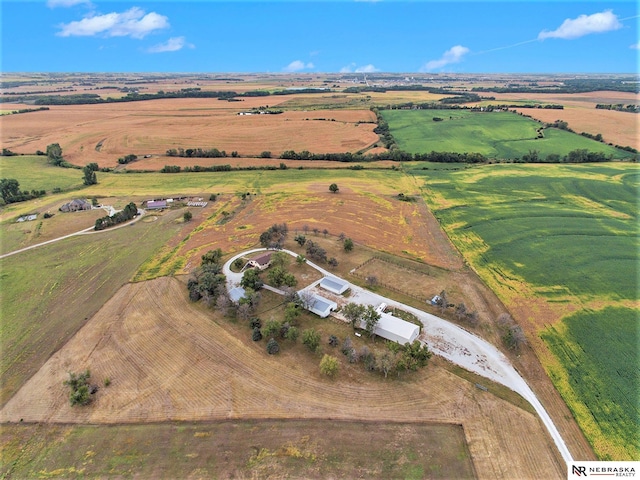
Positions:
{"x": 394, "y": 328}
{"x": 321, "y": 306}
{"x": 334, "y": 285}
{"x": 156, "y": 204}
{"x": 75, "y": 206}
{"x": 235, "y": 294}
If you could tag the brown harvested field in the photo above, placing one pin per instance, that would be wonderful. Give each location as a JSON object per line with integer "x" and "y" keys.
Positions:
{"x": 103, "y": 133}
{"x": 169, "y": 359}
{"x": 365, "y": 212}
{"x": 619, "y": 128}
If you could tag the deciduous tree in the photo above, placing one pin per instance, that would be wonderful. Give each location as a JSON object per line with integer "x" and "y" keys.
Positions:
{"x": 329, "y": 365}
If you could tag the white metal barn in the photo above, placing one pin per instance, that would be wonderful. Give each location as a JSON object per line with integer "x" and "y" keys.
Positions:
{"x": 236, "y": 294}
{"x": 321, "y": 306}
{"x": 334, "y": 285}
{"x": 395, "y": 329}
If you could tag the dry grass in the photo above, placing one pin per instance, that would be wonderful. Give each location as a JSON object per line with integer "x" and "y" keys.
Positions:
{"x": 103, "y": 133}
{"x": 168, "y": 360}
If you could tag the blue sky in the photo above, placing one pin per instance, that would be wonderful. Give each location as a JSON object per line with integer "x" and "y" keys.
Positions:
{"x": 320, "y": 36}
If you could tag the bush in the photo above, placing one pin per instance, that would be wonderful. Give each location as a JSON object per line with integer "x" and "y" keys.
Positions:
{"x": 329, "y": 365}
{"x": 257, "y": 335}
{"x": 272, "y": 347}
{"x": 311, "y": 338}
{"x": 79, "y": 385}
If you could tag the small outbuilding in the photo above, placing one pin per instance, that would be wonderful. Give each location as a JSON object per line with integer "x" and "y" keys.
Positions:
{"x": 321, "y": 306}
{"x": 235, "y": 294}
{"x": 334, "y": 285}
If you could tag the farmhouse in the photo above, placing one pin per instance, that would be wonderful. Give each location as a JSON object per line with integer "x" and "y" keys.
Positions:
{"x": 261, "y": 262}
{"x": 321, "y": 306}
{"x": 75, "y": 206}
{"x": 334, "y": 285}
{"x": 394, "y": 328}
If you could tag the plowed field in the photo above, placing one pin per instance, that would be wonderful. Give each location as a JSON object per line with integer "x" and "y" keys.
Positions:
{"x": 169, "y": 359}
{"x": 103, "y": 133}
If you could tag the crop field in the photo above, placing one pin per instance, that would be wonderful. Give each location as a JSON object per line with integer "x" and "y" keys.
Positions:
{"x": 239, "y": 449}
{"x": 50, "y": 292}
{"x": 552, "y": 241}
{"x": 501, "y": 135}
{"x": 103, "y": 133}
{"x": 602, "y": 382}
{"x": 620, "y": 128}
{"x": 169, "y": 359}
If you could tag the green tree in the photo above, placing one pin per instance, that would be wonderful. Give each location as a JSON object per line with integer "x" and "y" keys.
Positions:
{"x": 79, "y": 386}
{"x": 272, "y": 346}
{"x": 354, "y": 313}
{"x": 9, "y": 189}
{"x": 333, "y": 188}
{"x": 347, "y": 244}
{"x": 291, "y": 312}
{"x": 279, "y": 259}
{"x": 187, "y": 216}
{"x": 251, "y": 279}
{"x": 371, "y": 318}
{"x": 329, "y": 365}
{"x": 300, "y": 260}
{"x": 292, "y": 334}
{"x": 89, "y": 176}
{"x": 272, "y": 328}
{"x": 300, "y": 239}
{"x": 257, "y": 335}
{"x": 54, "y": 154}
{"x": 212, "y": 256}
{"x": 311, "y": 338}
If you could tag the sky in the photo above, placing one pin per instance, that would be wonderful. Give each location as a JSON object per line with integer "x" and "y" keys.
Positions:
{"x": 326, "y": 36}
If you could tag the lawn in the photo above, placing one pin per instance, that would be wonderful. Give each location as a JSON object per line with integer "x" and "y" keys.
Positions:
{"x": 563, "y": 235}
{"x": 48, "y": 293}
{"x": 499, "y": 135}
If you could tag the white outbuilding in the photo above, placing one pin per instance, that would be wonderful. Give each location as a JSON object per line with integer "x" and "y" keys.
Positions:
{"x": 395, "y": 329}
{"x": 334, "y": 285}
{"x": 321, "y": 306}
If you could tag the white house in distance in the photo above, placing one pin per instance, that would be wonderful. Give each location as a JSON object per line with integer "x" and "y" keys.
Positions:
{"x": 334, "y": 285}
{"x": 261, "y": 262}
{"x": 394, "y": 328}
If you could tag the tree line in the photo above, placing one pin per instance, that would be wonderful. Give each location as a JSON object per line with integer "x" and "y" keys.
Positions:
{"x": 122, "y": 216}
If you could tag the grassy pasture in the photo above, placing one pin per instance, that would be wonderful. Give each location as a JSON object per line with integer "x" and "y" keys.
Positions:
{"x": 565, "y": 235}
{"x": 34, "y": 173}
{"x": 598, "y": 356}
{"x": 48, "y": 293}
{"x": 238, "y": 449}
{"x": 494, "y": 134}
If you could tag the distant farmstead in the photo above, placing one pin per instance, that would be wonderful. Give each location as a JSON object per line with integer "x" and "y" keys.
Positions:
{"x": 156, "y": 204}
{"x": 75, "y": 206}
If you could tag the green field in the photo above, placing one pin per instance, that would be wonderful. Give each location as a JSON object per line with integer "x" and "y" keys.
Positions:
{"x": 599, "y": 355}
{"x": 34, "y": 173}
{"x": 48, "y": 293}
{"x": 496, "y": 135}
{"x": 565, "y": 234}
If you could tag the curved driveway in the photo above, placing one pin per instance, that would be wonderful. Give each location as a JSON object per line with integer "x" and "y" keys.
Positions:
{"x": 448, "y": 341}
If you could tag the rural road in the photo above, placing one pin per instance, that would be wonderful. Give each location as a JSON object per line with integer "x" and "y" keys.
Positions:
{"x": 86, "y": 231}
{"x": 447, "y": 340}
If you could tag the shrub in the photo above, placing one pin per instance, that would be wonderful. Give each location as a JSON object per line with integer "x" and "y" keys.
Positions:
{"x": 272, "y": 347}
{"x": 329, "y": 365}
{"x": 257, "y": 335}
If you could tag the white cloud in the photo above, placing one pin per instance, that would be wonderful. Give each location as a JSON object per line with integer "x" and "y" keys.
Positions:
{"x": 172, "y": 45}
{"x": 635, "y": 46}
{"x": 584, "y": 25}
{"x": 65, "y": 3}
{"x": 297, "y": 65}
{"x": 351, "y": 68}
{"x": 133, "y": 22}
{"x": 453, "y": 55}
